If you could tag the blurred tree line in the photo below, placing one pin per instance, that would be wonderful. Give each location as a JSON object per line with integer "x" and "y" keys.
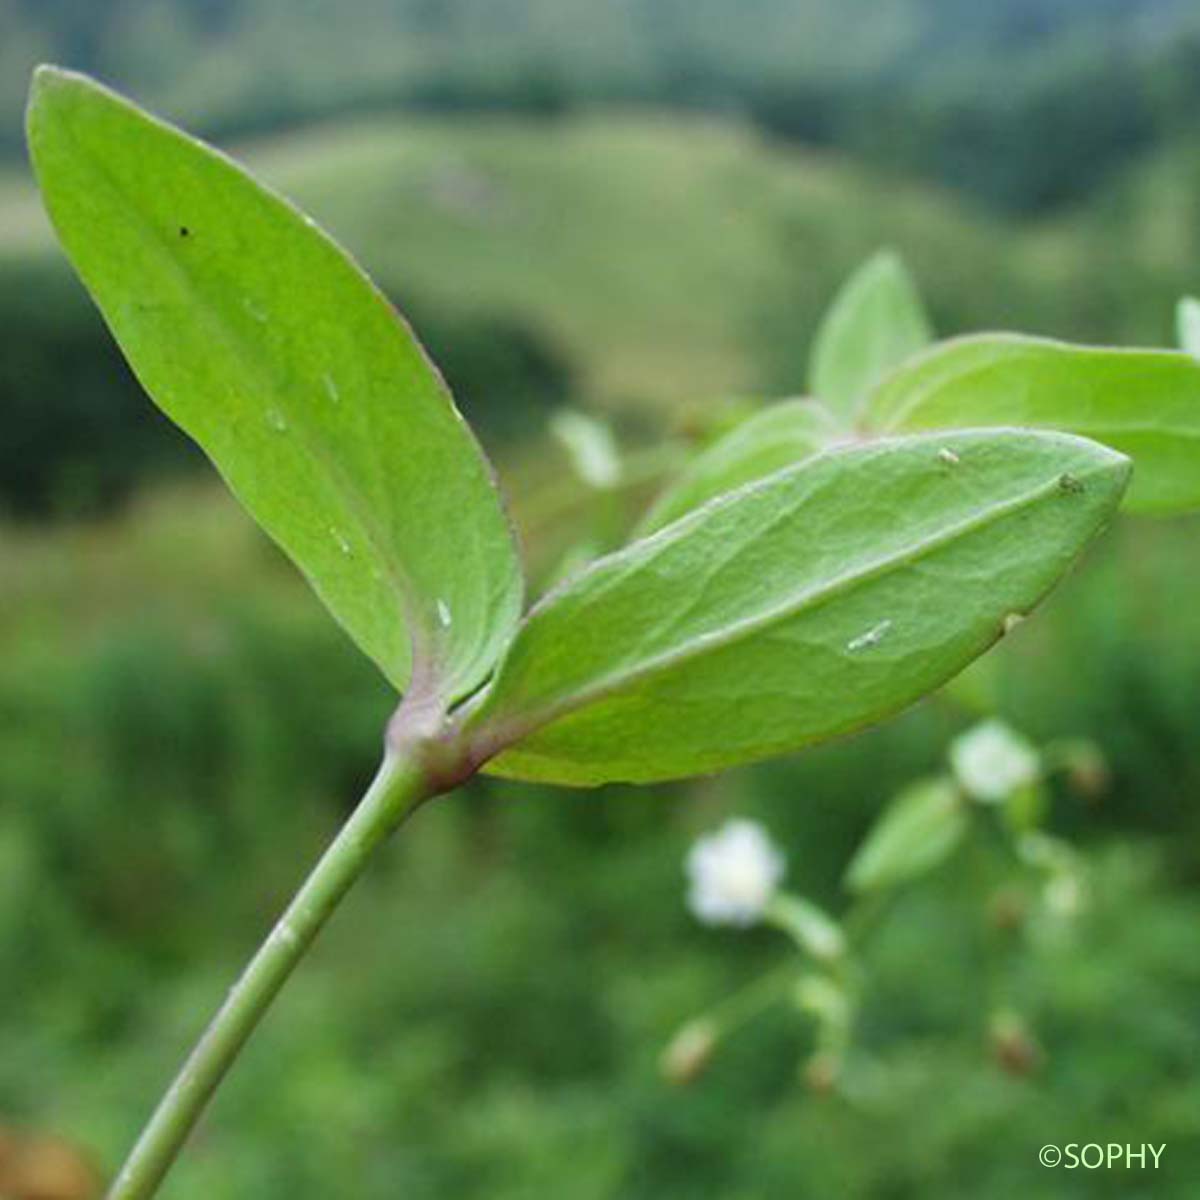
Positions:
{"x": 1025, "y": 104}
{"x": 82, "y": 435}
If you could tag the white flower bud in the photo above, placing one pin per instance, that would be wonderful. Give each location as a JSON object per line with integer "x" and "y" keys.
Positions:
{"x": 991, "y": 761}
{"x": 733, "y": 874}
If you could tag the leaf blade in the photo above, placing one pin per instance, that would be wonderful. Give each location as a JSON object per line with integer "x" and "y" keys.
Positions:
{"x": 919, "y": 829}
{"x": 773, "y": 438}
{"x": 807, "y": 605}
{"x": 1144, "y": 403}
{"x": 262, "y": 340}
{"x": 875, "y": 322}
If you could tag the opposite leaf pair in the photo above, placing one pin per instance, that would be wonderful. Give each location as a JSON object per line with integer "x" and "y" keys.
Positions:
{"x": 796, "y": 603}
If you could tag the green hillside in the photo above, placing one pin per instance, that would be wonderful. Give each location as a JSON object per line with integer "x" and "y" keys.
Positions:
{"x": 1026, "y": 104}
{"x": 645, "y": 247}
{"x": 667, "y": 259}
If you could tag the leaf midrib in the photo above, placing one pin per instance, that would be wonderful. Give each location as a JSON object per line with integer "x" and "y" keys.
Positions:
{"x": 807, "y": 600}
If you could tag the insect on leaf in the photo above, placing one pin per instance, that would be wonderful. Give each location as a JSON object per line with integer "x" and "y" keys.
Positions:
{"x": 814, "y": 602}
{"x": 260, "y": 338}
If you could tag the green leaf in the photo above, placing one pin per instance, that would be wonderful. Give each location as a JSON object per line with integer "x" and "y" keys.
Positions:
{"x": 261, "y": 339}
{"x": 876, "y": 322}
{"x": 1145, "y": 403}
{"x": 916, "y": 831}
{"x": 821, "y": 599}
{"x": 775, "y": 437}
{"x": 1187, "y": 325}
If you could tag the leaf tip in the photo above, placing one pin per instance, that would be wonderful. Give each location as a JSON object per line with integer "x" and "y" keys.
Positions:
{"x": 1100, "y": 462}
{"x": 46, "y": 75}
{"x": 48, "y": 80}
{"x": 1118, "y": 465}
{"x": 886, "y": 258}
{"x": 50, "y": 87}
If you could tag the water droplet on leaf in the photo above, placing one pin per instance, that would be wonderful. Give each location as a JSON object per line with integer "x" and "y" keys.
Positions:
{"x": 277, "y": 420}
{"x": 443, "y": 612}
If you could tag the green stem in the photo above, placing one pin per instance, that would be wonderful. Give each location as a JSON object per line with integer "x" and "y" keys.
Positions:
{"x": 749, "y": 1000}
{"x": 397, "y": 789}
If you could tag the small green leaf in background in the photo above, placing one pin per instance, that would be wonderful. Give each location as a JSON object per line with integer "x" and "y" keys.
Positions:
{"x": 258, "y": 336}
{"x": 917, "y": 830}
{"x": 875, "y": 323}
{"x": 775, "y": 437}
{"x": 807, "y": 605}
{"x": 1187, "y": 325}
{"x": 1145, "y": 403}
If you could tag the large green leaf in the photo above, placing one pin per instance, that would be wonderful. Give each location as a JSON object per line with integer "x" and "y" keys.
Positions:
{"x": 258, "y": 336}
{"x": 875, "y": 322}
{"x": 918, "y": 830}
{"x": 775, "y": 437}
{"x": 820, "y": 599}
{"x": 1145, "y": 403}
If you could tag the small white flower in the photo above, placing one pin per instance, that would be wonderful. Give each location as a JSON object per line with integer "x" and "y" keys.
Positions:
{"x": 733, "y": 874}
{"x": 991, "y": 761}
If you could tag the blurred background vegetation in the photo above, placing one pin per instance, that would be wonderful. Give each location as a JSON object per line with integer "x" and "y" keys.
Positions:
{"x": 636, "y": 208}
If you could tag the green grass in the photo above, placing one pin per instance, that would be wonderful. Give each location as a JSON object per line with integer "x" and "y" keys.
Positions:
{"x": 183, "y": 727}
